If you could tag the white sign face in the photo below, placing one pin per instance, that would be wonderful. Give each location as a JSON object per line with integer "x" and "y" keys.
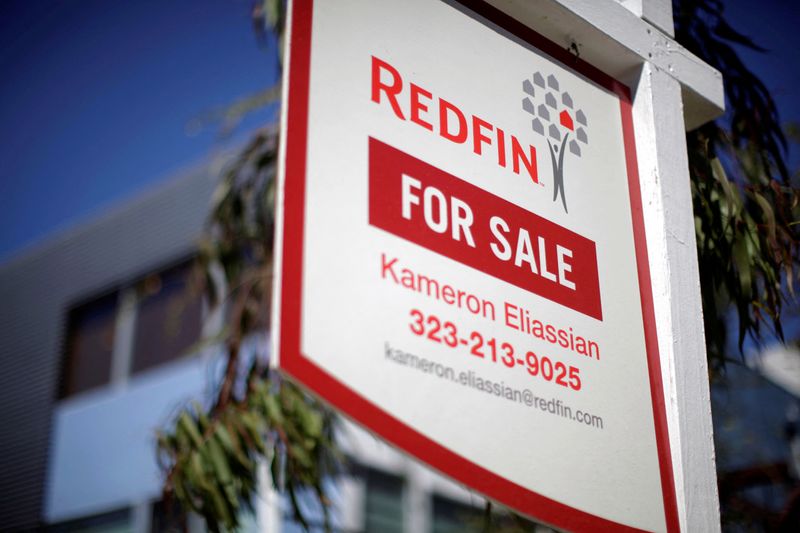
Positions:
{"x": 462, "y": 263}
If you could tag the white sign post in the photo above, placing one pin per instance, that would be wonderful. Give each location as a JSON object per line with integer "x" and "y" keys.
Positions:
{"x": 466, "y": 265}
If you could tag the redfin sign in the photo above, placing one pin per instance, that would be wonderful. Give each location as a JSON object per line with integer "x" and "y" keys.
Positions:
{"x": 454, "y": 239}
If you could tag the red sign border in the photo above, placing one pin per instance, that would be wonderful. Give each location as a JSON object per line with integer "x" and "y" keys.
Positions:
{"x": 298, "y": 366}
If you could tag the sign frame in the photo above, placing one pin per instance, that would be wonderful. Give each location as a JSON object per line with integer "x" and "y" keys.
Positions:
{"x": 288, "y": 300}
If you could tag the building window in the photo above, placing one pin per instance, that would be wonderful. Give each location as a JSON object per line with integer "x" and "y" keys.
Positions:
{"x": 168, "y": 518}
{"x": 169, "y": 317}
{"x": 383, "y": 511}
{"x": 89, "y": 345}
{"x": 454, "y": 517}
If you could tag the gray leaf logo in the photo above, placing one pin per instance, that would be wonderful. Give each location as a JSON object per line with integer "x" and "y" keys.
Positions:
{"x": 555, "y": 117}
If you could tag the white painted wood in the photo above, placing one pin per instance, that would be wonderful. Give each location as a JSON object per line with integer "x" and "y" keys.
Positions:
{"x": 656, "y": 12}
{"x": 614, "y": 39}
{"x": 669, "y": 223}
{"x": 634, "y": 6}
{"x": 659, "y": 14}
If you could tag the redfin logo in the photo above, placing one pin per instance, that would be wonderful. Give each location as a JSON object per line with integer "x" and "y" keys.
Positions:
{"x": 556, "y": 118}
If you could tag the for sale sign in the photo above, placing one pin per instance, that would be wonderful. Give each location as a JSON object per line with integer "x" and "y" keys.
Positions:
{"x": 462, "y": 261}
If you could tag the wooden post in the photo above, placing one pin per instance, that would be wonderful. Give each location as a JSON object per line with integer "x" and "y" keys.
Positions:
{"x": 669, "y": 223}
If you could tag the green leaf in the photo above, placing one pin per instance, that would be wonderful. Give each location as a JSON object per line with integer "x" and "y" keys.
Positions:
{"x": 219, "y": 461}
{"x": 273, "y": 410}
{"x": 250, "y": 422}
{"x": 312, "y": 421}
{"x": 195, "y": 471}
{"x": 230, "y": 441}
{"x": 221, "y": 507}
{"x": 300, "y": 455}
{"x": 722, "y": 177}
{"x": 769, "y": 214}
{"x": 202, "y": 418}
{"x": 186, "y": 423}
{"x": 741, "y": 258}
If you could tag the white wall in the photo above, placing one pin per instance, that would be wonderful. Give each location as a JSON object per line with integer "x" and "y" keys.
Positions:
{"x": 103, "y": 453}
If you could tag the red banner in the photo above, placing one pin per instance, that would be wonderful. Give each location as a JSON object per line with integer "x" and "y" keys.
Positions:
{"x": 438, "y": 211}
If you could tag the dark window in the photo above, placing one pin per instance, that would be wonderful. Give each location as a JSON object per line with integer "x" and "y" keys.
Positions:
{"x": 384, "y": 502}
{"x": 167, "y": 517}
{"x": 169, "y": 317}
{"x": 89, "y": 343}
{"x": 454, "y": 517}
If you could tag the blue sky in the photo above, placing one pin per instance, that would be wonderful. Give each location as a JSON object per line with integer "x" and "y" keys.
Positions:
{"x": 775, "y": 26}
{"x": 95, "y": 95}
{"x": 95, "y": 98}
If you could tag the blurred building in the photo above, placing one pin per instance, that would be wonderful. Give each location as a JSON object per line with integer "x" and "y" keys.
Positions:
{"x": 102, "y": 342}
{"x": 757, "y": 434}
{"x": 86, "y": 378}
